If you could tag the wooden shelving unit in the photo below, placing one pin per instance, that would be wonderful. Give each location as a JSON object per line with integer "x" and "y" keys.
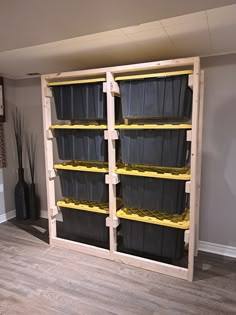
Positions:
{"x": 189, "y": 220}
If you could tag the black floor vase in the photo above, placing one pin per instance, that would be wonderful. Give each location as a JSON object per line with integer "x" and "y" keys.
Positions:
{"x": 21, "y": 197}
{"x": 33, "y": 203}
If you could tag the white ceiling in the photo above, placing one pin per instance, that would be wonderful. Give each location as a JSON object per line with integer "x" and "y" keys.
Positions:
{"x": 201, "y": 33}
{"x": 32, "y": 22}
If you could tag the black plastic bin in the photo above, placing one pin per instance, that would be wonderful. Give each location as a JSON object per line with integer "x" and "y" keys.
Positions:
{"x": 86, "y": 227}
{"x": 151, "y": 240}
{"x": 80, "y": 101}
{"x": 160, "y": 147}
{"x": 163, "y": 195}
{"x": 83, "y": 185}
{"x": 168, "y": 97}
{"x": 83, "y": 145}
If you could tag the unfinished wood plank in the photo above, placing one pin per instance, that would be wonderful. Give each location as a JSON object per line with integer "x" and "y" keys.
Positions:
{"x": 199, "y": 158}
{"x": 111, "y": 161}
{"x": 194, "y": 168}
{"x": 48, "y": 153}
{"x": 183, "y": 62}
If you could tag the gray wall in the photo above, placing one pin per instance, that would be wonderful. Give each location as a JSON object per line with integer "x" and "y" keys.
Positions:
{"x": 2, "y": 198}
{"x": 10, "y": 172}
{"x": 28, "y": 99}
{"x": 218, "y": 191}
{"x": 26, "y": 95}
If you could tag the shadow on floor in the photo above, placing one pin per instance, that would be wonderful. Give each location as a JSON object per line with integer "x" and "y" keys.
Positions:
{"x": 209, "y": 266}
{"x": 37, "y": 228}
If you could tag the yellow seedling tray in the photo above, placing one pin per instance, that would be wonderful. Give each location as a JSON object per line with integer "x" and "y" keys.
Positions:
{"x": 154, "y": 171}
{"x": 84, "y": 205}
{"x": 78, "y": 127}
{"x": 153, "y": 75}
{"x": 59, "y": 83}
{"x": 82, "y": 166}
{"x": 178, "y": 221}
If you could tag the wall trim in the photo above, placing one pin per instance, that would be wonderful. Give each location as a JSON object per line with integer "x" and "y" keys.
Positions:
{"x": 223, "y": 250}
{"x": 44, "y": 214}
{"x": 7, "y": 216}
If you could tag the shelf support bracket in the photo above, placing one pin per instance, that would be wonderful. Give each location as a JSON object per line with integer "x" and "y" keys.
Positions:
{"x": 114, "y": 134}
{"x": 114, "y": 179}
{"x": 52, "y": 174}
{"x": 188, "y": 187}
{"x": 114, "y": 223}
{"x": 189, "y": 135}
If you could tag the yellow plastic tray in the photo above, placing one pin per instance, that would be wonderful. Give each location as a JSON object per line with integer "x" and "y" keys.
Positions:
{"x": 154, "y": 126}
{"x": 154, "y": 171}
{"x": 178, "y": 221}
{"x": 58, "y": 83}
{"x": 83, "y": 166}
{"x": 78, "y": 127}
{"x": 84, "y": 205}
{"x": 153, "y": 75}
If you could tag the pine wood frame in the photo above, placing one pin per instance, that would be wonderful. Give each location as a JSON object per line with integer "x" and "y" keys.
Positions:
{"x": 111, "y": 88}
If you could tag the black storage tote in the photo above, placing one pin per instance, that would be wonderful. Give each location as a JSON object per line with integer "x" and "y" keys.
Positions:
{"x": 83, "y": 145}
{"x": 84, "y": 226}
{"x": 83, "y": 185}
{"x": 160, "y": 147}
{"x": 80, "y": 101}
{"x": 162, "y": 195}
{"x": 166, "y": 98}
{"x": 145, "y": 240}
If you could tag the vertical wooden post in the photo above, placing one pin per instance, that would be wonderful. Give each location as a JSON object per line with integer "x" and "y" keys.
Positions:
{"x": 48, "y": 151}
{"x": 199, "y": 158}
{"x": 194, "y": 168}
{"x": 111, "y": 162}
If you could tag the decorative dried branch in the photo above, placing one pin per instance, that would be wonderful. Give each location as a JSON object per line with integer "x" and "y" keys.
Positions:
{"x": 18, "y": 124}
{"x": 31, "y": 142}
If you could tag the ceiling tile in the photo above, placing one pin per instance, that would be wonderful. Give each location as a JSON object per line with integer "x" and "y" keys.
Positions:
{"x": 222, "y": 24}
{"x": 222, "y": 16}
{"x": 185, "y": 24}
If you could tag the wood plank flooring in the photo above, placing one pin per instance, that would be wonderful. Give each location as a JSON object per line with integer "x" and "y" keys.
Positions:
{"x": 38, "y": 279}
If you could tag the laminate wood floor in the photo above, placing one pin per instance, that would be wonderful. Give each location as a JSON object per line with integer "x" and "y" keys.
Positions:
{"x": 38, "y": 279}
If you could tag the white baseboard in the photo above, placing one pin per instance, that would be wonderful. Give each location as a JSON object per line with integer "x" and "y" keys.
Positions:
{"x": 44, "y": 214}
{"x": 219, "y": 249}
{"x": 7, "y": 216}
